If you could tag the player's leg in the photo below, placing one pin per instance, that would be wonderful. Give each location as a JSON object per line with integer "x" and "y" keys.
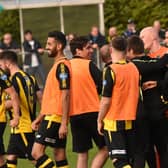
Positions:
{"x": 13, "y": 151}
{"x": 2, "y": 149}
{"x": 102, "y": 154}
{"x": 41, "y": 141}
{"x": 116, "y": 144}
{"x": 81, "y": 139}
{"x": 60, "y": 150}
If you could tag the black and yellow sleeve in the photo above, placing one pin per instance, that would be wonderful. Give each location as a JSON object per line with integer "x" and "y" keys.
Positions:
{"x": 63, "y": 76}
{"x": 108, "y": 82}
{"x": 35, "y": 83}
{"x": 4, "y": 80}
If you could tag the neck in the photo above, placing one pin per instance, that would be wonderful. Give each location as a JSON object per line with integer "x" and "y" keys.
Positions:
{"x": 116, "y": 57}
{"x": 139, "y": 55}
{"x": 59, "y": 56}
{"x": 156, "y": 46}
{"x": 14, "y": 69}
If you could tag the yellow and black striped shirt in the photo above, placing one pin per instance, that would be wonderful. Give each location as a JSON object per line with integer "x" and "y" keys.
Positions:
{"x": 4, "y": 84}
{"x": 26, "y": 87}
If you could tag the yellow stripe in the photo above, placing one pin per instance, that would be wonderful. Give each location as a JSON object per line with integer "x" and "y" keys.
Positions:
{"x": 104, "y": 72}
{"x": 128, "y": 124}
{"x": 24, "y": 139}
{"x": 64, "y": 166}
{"x": 45, "y": 163}
{"x": 11, "y": 165}
{"x": 110, "y": 125}
{"x": 54, "y": 118}
{"x": 112, "y": 75}
{"x": 110, "y": 137}
{"x": 63, "y": 71}
{"x": 49, "y": 124}
{"x": 127, "y": 166}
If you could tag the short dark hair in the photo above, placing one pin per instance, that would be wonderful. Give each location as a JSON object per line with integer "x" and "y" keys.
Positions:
{"x": 119, "y": 43}
{"x": 136, "y": 44}
{"x": 27, "y": 32}
{"x": 9, "y": 55}
{"x": 78, "y": 43}
{"x": 59, "y": 36}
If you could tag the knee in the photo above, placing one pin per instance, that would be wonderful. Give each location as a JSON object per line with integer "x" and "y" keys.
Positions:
{"x": 37, "y": 151}
{"x": 59, "y": 154}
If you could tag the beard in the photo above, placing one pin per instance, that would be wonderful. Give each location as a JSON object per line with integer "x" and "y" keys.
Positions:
{"x": 52, "y": 53}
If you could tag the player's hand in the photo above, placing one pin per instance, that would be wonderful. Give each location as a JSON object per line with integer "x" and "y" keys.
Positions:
{"x": 94, "y": 45}
{"x": 149, "y": 85}
{"x": 63, "y": 131}
{"x": 35, "y": 125}
{"x": 40, "y": 50}
{"x": 14, "y": 122}
{"x": 100, "y": 127}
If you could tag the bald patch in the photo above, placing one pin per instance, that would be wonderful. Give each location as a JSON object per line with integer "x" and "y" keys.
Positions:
{"x": 105, "y": 52}
{"x": 149, "y": 31}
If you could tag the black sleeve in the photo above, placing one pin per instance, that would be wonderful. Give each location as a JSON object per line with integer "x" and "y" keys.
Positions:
{"x": 63, "y": 76}
{"x": 148, "y": 66}
{"x": 4, "y": 80}
{"x": 108, "y": 81}
{"x": 38, "y": 45}
{"x": 26, "y": 46}
{"x": 36, "y": 86}
{"x": 15, "y": 83}
{"x": 163, "y": 85}
{"x": 96, "y": 75}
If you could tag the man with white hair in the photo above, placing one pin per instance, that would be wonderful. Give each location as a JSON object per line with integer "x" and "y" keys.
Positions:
{"x": 154, "y": 105}
{"x": 151, "y": 42}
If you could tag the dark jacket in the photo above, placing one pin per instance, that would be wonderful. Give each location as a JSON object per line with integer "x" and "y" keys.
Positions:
{"x": 154, "y": 107}
{"x": 29, "y": 51}
{"x": 100, "y": 40}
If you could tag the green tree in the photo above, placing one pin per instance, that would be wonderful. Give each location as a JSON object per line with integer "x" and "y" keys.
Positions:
{"x": 144, "y": 12}
{"x": 9, "y": 22}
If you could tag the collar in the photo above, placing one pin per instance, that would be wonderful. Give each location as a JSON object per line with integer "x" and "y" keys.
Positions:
{"x": 123, "y": 61}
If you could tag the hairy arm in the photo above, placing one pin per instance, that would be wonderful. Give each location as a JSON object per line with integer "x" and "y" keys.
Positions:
{"x": 15, "y": 104}
{"x": 104, "y": 106}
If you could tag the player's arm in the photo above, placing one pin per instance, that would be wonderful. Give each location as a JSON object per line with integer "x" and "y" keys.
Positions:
{"x": 63, "y": 76}
{"x": 108, "y": 80}
{"x": 35, "y": 124}
{"x": 14, "y": 102}
{"x": 9, "y": 89}
{"x": 39, "y": 93}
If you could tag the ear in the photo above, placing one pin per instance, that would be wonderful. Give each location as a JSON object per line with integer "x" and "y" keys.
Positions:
{"x": 131, "y": 52}
{"x": 78, "y": 51}
{"x": 59, "y": 46}
{"x": 7, "y": 63}
{"x": 111, "y": 50}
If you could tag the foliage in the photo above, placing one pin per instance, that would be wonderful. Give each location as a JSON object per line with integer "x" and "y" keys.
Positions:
{"x": 9, "y": 22}
{"x": 144, "y": 12}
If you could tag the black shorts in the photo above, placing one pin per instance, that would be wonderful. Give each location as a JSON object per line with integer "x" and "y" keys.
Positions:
{"x": 84, "y": 129}
{"x": 21, "y": 145}
{"x": 120, "y": 144}
{"x": 49, "y": 136}
{"x": 2, "y": 129}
